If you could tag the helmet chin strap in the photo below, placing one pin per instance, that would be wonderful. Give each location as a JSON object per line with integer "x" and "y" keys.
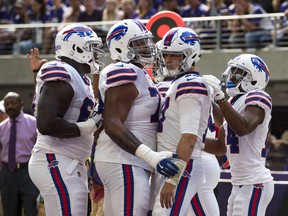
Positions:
{"x": 235, "y": 90}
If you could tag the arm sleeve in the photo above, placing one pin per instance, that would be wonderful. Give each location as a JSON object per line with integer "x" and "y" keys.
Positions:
{"x": 190, "y": 113}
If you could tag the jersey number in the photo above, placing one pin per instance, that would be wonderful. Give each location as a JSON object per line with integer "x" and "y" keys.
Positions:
{"x": 88, "y": 104}
{"x": 162, "y": 119}
{"x": 233, "y": 141}
{"x": 155, "y": 93}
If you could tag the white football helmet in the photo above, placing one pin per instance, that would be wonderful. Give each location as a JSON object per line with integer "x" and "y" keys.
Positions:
{"x": 180, "y": 41}
{"x": 130, "y": 41}
{"x": 245, "y": 73}
{"x": 80, "y": 43}
{"x": 158, "y": 72}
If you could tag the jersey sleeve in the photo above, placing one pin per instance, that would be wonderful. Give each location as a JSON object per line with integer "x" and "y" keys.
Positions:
{"x": 120, "y": 74}
{"x": 259, "y": 98}
{"x": 163, "y": 87}
{"x": 54, "y": 71}
{"x": 195, "y": 89}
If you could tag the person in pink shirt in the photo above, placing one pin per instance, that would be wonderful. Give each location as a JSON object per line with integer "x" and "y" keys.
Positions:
{"x": 17, "y": 138}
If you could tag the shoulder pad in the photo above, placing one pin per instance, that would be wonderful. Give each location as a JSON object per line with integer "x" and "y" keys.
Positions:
{"x": 259, "y": 98}
{"x": 120, "y": 73}
{"x": 54, "y": 71}
{"x": 191, "y": 88}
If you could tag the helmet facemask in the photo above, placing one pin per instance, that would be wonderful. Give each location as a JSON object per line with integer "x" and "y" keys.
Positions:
{"x": 97, "y": 58}
{"x": 142, "y": 50}
{"x": 171, "y": 63}
{"x": 236, "y": 78}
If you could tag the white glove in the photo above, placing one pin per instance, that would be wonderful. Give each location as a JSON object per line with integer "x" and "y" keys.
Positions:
{"x": 157, "y": 160}
{"x": 215, "y": 83}
{"x": 97, "y": 117}
{"x": 93, "y": 123}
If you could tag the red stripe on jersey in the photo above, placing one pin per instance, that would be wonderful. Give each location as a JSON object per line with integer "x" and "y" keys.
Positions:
{"x": 128, "y": 190}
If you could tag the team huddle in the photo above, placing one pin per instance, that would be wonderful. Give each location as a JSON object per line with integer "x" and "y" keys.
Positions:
{"x": 155, "y": 153}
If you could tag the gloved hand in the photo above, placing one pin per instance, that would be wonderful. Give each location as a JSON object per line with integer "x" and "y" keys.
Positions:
{"x": 167, "y": 167}
{"x": 158, "y": 160}
{"x": 215, "y": 83}
{"x": 93, "y": 123}
{"x": 97, "y": 117}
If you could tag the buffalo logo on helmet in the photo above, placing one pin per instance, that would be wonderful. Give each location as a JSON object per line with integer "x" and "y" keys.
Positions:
{"x": 260, "y": 66}
{"x": 117, "y": 33}
{"x": 189, "y": 38}
{"x": 80, "y": 31}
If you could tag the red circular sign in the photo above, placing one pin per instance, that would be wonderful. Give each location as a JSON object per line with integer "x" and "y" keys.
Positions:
{"x": 162, "y": 22}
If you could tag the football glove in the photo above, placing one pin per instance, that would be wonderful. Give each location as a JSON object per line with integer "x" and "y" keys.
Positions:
{"x": 158, "y": 161}
{"x": 215, "y": 83}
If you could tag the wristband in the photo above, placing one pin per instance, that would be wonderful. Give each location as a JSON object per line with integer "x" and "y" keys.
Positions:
{"x": 170, "y": 181}
{"x": 175, "y": 179}
{"x": 147, "y": 155}
{"x": 87, "y": 128}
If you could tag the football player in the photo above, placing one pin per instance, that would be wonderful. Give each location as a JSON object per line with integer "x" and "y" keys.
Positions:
{"x": 204, "y": 201}
{"x": 125, "y": 152}
{"x": 247, "y": 116}
{"x": 64, "y": 103}
{"x": 184, "y": 119}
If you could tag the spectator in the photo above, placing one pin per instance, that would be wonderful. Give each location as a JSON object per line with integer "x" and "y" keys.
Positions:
{"x": 129, "y": 7}
{"x": 111, "y": 12}
{"x": 8, "y": 36}
{"x": 146, "y": 9}
{"x": 276, "y": 4}
{"x": 72, "y": 12}
{"x": 256, "y": 31}
{"x": 100, "y": 5}
{"x": 171, "y": 5}
{"x": 92, "y": 13}
{"x": 4, "y": 16}
{"x": 282, "y": 33}
{"x": 209, "y": 35}
{"x": 266, "y": 4}
{"x": 17, "y": 138}
{"x": 33, "y": 36}
{"x": 57, "y": 12}
{"x": 277, "y": 157}
{"x": 3, "y": 114}
{"x": 195, "y": 8}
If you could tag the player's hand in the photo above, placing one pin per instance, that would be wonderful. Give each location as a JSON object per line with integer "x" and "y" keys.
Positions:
{"x": 167, "y": 167}
{"x": 215, "y": 83}
{"x": 34, "y": 60}
{"x": 167, "y": 195}
{"x": 97, "y": 117}
{"x": 157, "y": 160}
